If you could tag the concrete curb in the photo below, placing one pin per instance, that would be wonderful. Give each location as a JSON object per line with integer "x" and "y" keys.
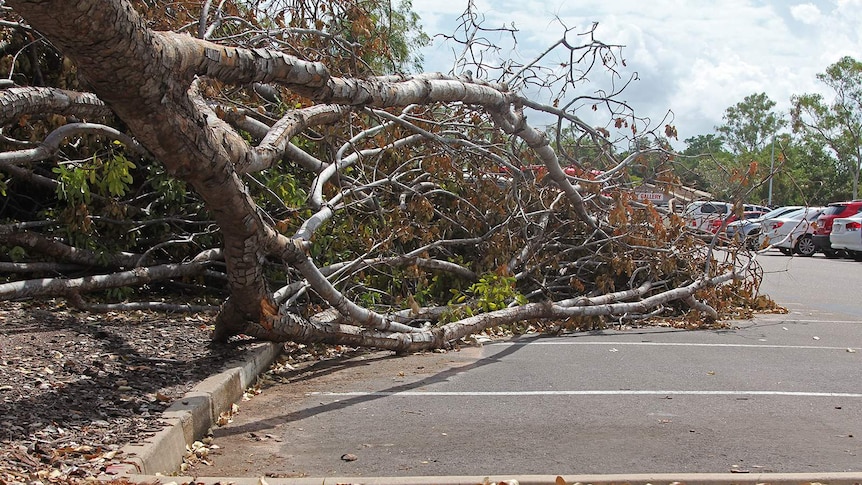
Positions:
{"x": 189, "y": 418}
{"x": 633, "y": 479}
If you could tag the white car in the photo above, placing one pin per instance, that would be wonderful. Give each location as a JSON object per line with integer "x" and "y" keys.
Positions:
{"x": 847, "y": 235}
{"x": 701, "y": 214}
{"x": 793, "y": 232}
{"x": 748, "y": 230}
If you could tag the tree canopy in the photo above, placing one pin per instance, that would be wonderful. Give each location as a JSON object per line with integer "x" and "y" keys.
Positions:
{"x": 836, "y": 124}
{"x": 272, "y": 162}
{"x": 752, "y": 157}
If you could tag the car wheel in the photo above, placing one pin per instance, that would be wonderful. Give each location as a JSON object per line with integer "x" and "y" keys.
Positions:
{"x": 805, "y": 246}
{"x": 786, "y": 252}
{"x": 857, "y": 255}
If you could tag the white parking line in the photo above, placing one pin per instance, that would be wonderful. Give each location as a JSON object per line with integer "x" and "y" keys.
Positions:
{"x": 822, "y": 320}
{"x": 581, "y": 393}
{"x": 673, "y": 344}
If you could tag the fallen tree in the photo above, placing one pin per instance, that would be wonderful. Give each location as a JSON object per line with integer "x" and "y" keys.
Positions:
{"x": 325, "y": 203}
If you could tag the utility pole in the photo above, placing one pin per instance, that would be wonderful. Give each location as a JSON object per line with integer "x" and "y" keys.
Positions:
{"x": 771, "y": 169}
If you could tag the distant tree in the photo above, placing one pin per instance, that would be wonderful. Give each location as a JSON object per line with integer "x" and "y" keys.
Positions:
{"x": 750, "y": 124}
{"x": 836, "y": 123}
{"x": 748, "y": 128}
{"x": 808, "y": 175}
{"x": 709, "y": 144}
{"x": 698, "y": 163}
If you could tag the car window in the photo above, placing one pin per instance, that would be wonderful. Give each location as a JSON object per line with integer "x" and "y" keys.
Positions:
{"x": 714, "y": 208}
{"x": 692, "y": 208}
{"x": 795, "y": 215}
{"x": 781, "y": 211}
{"x": 834, "y": 210}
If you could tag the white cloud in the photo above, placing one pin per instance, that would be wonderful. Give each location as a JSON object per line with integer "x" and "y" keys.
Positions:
{"x": 806, "y": 13}
{"x": 695, "y": 58}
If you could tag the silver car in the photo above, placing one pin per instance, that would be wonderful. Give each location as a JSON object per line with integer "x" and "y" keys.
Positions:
{"x": 792, "y": 233}
{"x": 748, "y": 230}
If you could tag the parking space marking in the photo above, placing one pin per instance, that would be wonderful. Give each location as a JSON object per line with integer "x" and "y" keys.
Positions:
{"x": 823, "y": 320}
{"x": 674, "y": 344}
{"x": 622, "y": 392}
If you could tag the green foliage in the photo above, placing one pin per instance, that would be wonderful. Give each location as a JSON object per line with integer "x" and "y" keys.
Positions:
{"x": 171, "y": 193}
{"x": 119, "y": 294}
{"x": 806, "y": 175}
{"x": 389, "y": 33}
{"x": 110, "y": 177}
{"x": 709, "y": 144}
{"x": 74, "y": 184}
{"x": 750, "y": 124}
{"x": 17, "y": 253}
{"x": 491, "y": 293}
{"x": 836, "y": 124}
{"x": 286, "y": 187}
{"x": 439, "y": 287}
{"x": 697, "y": 167}
{"x": 735, "y": 162}
{"x": 114, "y": 176}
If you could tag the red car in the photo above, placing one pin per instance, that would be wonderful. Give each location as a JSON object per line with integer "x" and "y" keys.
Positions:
{"x": 715, "y": 224}
{"x": 823, "y": 226}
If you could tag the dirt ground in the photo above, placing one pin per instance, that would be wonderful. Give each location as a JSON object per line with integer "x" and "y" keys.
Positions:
{"x": 76, "y": 387}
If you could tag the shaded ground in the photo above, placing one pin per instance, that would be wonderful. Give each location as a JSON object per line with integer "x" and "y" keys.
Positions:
{"x": 76, "y": 387}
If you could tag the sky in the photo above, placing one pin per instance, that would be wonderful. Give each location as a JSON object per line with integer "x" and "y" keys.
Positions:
{"x": 694, "y": 58}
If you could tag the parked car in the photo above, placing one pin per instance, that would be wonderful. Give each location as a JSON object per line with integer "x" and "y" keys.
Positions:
{"x": 715, "y": 224}
{"x": 824, "y": 224}
{"x": 846, "y": 235}
{"x": 701, "y": 214}
{"x": 747, "y": 230}
{"x": 793, "y": 232}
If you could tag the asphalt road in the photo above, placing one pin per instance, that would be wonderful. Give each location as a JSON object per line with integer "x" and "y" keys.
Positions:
{"x": 816, "y": 285}
{"x": 780, "y": 393}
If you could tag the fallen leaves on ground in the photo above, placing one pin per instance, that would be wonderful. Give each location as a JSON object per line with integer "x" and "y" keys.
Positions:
{"x": 77, "y": 387}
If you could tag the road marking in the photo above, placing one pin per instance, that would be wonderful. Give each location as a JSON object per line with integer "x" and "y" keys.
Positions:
{"x": 581, "y": 393}
{"x": 675, "y": 344}
{"x": 823, "y": 320}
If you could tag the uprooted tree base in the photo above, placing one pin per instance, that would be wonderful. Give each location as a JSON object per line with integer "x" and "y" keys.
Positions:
{"x": 314, "y": 202}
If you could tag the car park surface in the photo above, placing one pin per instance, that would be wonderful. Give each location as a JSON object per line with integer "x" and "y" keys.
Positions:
{"x": 793, "y": 232}
{"x": 846, "y": 235}
{"x": 778, "y": 393}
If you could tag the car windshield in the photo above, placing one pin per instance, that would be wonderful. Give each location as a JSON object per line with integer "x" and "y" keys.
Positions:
{"x": 778, "y": 212}
{"x": 706, "y": 208}
{"x": 834, "y": 210}
{"x": 800, "y": 213}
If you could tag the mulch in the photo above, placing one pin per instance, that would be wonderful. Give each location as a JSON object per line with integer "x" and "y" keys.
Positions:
{"x": 76, "y": 387}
